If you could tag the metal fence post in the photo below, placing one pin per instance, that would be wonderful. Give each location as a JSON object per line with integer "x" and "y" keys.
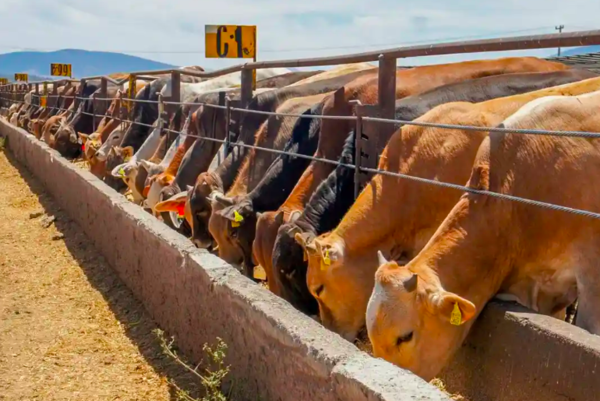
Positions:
{"x": 161, "y": 113}
{"x": 79, "y": 94}
{"x": 357, "y": 148}
{"x": 103, "y": 106}
{"x": 54, "y": 101}
{"x": 387, "y": 91}
{"x": 175, "y": 97}
{"x": 246, "y": 87}
{"x": 227, "y": 125}
{"x": 94, "y": 112}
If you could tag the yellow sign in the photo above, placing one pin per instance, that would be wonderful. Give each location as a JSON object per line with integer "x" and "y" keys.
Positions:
{"x": 60, "y": 70}
{"x": 21, "y": 77}
{"x": 3, "y": 81}
{"x": 230, "y": 41}
{"x": 131, "y": 92}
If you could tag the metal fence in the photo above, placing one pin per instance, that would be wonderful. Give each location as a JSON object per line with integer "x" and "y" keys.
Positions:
{"x": 380, "y": 116}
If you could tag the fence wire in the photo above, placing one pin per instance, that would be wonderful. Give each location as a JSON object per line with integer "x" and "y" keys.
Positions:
{"x": 427, "y": 181}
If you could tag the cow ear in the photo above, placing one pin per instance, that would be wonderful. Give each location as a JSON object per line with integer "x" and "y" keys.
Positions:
{"x": 127, "y": 152}
{"x": 295, "y": 215}
{"x": 452, "y": 308}
{"x": 171, "y": 205}
{"x": 229, "y": 213}
{"x": 279, "y": 218}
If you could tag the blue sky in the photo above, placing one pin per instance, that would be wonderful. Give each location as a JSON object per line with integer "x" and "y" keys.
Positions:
{"x": 173, "y": 30}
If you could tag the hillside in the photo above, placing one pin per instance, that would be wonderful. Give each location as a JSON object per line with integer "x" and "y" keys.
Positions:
{"x": 85, "y": 63}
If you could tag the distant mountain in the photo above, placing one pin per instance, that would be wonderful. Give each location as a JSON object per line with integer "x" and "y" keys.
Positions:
{"x": 579, "y": 50}
{"x": 85, "y": 63}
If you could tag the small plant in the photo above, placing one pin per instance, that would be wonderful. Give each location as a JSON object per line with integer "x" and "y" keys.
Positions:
{"x": 214, "y": 370}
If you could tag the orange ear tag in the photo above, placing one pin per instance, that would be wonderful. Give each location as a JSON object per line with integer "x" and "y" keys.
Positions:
{"x": 326, "y": 262}
{"x": 456, "y": 316}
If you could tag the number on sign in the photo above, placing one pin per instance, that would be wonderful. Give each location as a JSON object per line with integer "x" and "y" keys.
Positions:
{"x": 60, "y": 70}
{"x": 230, "y": 41}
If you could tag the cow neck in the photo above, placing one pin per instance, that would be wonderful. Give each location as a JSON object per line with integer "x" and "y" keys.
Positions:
{"x": 463, "y": 256}
{"x": 189, "y": 136}
{"x": 200, "y": 155}
{"x": 173, "y": 149}
{"x": 149, "y": 146}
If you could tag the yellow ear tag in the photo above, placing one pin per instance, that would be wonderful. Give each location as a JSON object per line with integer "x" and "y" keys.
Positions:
{"x": 122, "y": 172}
{"x": 326, "y": 262}
{"x": 456, "y": 316}
{"x": 237, "y": 219}
{"x": 259, "y": 273}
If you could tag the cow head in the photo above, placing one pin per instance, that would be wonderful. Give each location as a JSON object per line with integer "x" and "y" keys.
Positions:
{"x": 114, "y": 140}
{"x": 90, "y": 145}
{"x": 207, "y": 185}
{"x": 289, "y": 266}
{"x": 342, "y": 297}
{"x": 66, "y": 141}
{"x": 219, "y": 226}
{"x": 412, "y": 321}
{"x": 114, "y": 158}
{"x": 154, "y": 187}
{"x": 237, "y": 231}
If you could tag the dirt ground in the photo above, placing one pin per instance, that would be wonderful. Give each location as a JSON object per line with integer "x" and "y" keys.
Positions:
{"x": 69, "y": 328}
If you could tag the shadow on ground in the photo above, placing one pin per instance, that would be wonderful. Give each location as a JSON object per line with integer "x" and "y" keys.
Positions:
{"x": 137, "y": 323}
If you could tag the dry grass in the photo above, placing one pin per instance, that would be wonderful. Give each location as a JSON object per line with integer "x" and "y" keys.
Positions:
{"x": 69, "y": 328}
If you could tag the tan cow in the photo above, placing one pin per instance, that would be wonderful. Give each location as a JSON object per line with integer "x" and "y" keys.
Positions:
{"x": 420, "y": 313}
{"x": 398, "y": 216}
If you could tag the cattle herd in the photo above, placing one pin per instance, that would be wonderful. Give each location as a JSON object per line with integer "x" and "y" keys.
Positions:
{"x": 407, "y": 263}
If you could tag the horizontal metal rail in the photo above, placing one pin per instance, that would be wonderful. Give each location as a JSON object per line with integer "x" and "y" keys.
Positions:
{"x": 568, "y": 39}
{"x": 361, "y": 169}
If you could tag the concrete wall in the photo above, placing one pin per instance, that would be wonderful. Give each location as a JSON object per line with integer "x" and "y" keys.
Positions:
{"x": 275, "y": 352}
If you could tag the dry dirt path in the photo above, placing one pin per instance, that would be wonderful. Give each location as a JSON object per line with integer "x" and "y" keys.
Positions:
{"x": 69, "y": 328}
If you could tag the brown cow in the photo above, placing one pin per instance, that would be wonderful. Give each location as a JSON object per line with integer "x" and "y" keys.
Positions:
{"x": 334, "y": 132}
{"x": 399, "y": 216}
{"x": 420, "y": 313}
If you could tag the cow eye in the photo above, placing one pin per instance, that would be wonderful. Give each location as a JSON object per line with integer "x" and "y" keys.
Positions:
{"x": 319, "y": 290}
{"x": 234, "y": 233}
{"x": 404, "y": 339}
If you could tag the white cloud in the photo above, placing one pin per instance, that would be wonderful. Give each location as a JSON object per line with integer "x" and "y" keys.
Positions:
{"x": 173, "y": 30}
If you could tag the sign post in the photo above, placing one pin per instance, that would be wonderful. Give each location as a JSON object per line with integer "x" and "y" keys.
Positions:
{"x": 44, "y": 98}
{"x": 131, "y": 92}
{"x": 231, "y": 41}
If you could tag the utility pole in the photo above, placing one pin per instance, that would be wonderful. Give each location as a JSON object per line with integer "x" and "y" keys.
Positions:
{"x": 559, "y": 28}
